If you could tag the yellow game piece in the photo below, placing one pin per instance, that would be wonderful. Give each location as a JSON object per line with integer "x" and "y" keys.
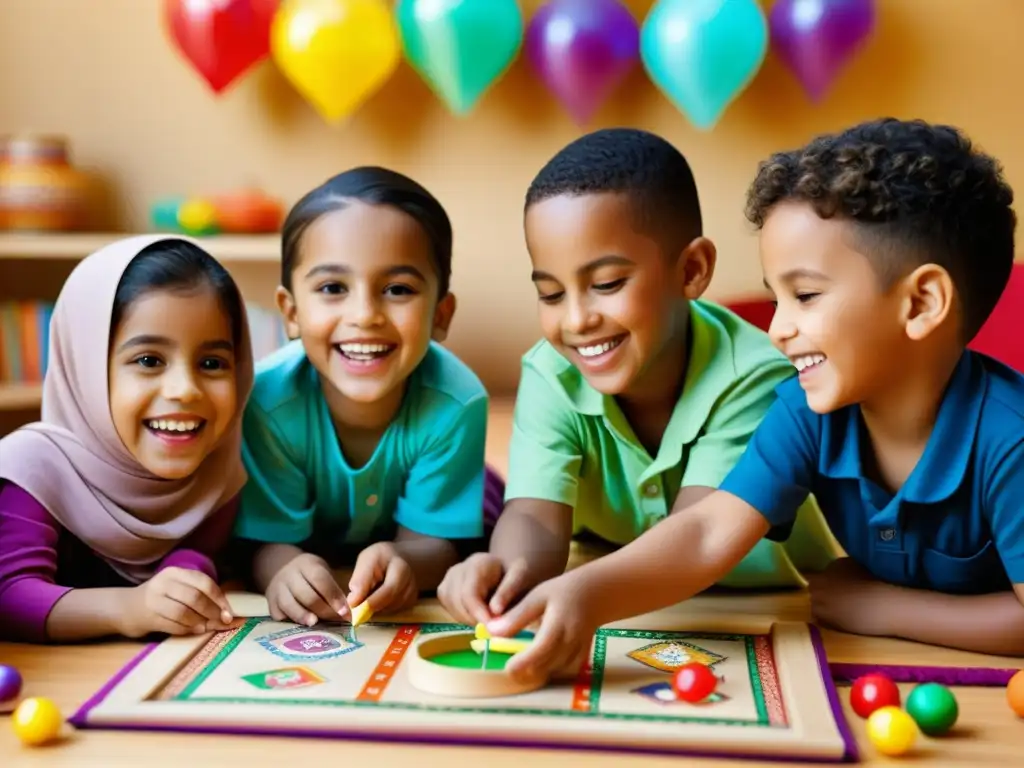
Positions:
{"x": 499, "y": 644}
{"x": 891, "y": 730}
{"x": 37, "y": 721}
{"x": 481, "y": 632}
{"x": 361, "y": 614}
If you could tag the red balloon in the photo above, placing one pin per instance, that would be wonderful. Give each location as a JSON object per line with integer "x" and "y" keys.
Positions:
{"x": 221, "y": 38}
{"x": 872, "y": 692}
{"x": 694, "y": 682}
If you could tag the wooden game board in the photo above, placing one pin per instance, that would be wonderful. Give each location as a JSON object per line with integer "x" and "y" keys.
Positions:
{"x": 776, "y": 698}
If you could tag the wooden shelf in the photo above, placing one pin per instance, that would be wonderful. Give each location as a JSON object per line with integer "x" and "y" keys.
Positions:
{"x": 20, "y": 397}
{"x": 16, "y": 245}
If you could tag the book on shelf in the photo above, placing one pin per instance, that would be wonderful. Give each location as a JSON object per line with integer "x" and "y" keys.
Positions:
{"x": 24, "y": 341}
{"x": 25, "y": 337}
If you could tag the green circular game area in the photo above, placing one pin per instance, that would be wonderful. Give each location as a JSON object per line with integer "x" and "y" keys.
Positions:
{"x": 470, "y": 659}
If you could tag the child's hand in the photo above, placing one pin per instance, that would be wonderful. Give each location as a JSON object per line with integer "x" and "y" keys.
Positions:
{"x": 465, "y": 588}
{"x": 846, "y": 597}
{"x": 176, "y": 601}
{"x": 384, "y": 579}
{"x": 568, "y": 623}
{"x": 305, "y": 590}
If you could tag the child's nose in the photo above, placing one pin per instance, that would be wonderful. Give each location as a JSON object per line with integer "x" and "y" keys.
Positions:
{"x": 364, "y": 312}
{"x": 579, "y": 317}
{"x": 180, "y": 385}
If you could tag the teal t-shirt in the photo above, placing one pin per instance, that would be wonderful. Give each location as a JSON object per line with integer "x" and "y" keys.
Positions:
{"x": 426, "y": 474}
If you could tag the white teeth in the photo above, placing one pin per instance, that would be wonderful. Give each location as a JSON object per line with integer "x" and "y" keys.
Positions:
{"x": 598, "y": 349}
{"x": 364, "y": 351}
{"x": 806, "y": 361}
{"x": 172, "y": 425}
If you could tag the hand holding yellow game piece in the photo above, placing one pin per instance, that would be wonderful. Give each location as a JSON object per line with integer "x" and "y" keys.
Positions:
{"x": 500, "y": 644}
{"x": 482, "y": 633}
{"x": 361, "y": 614}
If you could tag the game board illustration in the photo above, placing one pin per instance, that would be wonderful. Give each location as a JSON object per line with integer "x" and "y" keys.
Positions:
{"x": 774, "y": 697}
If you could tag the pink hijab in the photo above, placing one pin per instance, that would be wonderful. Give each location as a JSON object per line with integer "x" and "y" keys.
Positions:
{"x": 73, "y": 461}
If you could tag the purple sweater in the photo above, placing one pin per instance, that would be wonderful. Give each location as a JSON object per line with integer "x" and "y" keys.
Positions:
{"x": 40, "y": 561}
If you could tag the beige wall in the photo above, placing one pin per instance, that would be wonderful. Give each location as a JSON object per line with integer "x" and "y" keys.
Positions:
{"x": 102, "y": 72}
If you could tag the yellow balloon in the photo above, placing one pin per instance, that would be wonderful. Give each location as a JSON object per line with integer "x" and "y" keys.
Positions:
{"x": 336, "y": 53}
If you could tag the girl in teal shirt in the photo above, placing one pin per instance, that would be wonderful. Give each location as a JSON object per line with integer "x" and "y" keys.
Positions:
{"x": 363, "y": 435}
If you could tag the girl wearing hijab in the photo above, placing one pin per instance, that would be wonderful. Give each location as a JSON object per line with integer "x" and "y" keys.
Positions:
{"x": 114, "y": 506}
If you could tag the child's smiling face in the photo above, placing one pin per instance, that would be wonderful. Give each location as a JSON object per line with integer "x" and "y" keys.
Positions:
{"x": 842, "y": 329}
{"x": 172, "y": 381}
{"x": 609, "y": 297}
{"x": 364, "y": 301}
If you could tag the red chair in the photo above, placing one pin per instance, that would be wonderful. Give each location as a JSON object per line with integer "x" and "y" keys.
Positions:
{"x": 1002, "y": 337}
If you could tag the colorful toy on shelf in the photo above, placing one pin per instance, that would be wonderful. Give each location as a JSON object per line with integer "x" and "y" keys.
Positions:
{"x": 245, "y": 212}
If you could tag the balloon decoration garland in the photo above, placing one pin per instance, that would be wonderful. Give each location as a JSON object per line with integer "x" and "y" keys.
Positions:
{"x": 701, "y": 54}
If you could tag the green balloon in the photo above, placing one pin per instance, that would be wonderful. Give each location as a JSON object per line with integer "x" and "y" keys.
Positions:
{"x": 933, "y": 708}
{"x": 460, "y": 47}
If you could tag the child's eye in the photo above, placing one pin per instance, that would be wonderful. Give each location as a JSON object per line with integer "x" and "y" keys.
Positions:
{"x": 551, "y": 298}
{"x": 147, "y": 361}
{"x": 400, "y": 290}
{"x": 332, "y": 289}
{"x": 214, "y": 364}
{"x": 803, "y": 298}
{"x": 610, "y": 286}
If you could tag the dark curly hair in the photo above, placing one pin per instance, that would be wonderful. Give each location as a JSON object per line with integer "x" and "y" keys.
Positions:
{"x": 918, "y": 193}
{"x": 652, "y": 172}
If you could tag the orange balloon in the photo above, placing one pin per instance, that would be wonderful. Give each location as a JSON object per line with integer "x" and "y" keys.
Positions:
{"x": 1015, "y": 693}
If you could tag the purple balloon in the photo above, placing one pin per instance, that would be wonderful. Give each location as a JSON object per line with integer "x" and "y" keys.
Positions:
{"x": 815, "y": 38}
{"x": 582, "y": 50}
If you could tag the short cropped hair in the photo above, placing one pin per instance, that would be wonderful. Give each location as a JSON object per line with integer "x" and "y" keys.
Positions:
{"x": 918, "y": 194}
{"x": 652, "y": 173}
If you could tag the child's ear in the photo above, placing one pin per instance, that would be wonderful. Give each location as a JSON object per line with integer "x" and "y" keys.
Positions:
{"x": 286, "y": 306}
{"x": 929, "y": 298}
{"x": 695, "y": 267}
{"x": 443, "y": 317}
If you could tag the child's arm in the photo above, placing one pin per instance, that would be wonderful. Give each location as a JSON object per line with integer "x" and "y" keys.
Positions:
{"x": 532, "y": 537}
{"x": 36, "y": 609}
{"x": 847, "y": 598}
{"x": 683, "y": 555}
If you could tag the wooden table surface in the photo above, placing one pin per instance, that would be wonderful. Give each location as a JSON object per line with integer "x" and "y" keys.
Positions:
{"x": 987, "y": 734}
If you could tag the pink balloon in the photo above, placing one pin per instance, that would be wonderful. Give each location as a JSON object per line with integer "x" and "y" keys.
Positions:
{"x": 583, "y": 50}
{"x": 816, "y": 38}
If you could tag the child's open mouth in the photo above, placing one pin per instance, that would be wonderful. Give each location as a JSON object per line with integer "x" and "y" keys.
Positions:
{"x": 806, "y": 364}
{"x": 365, "y": 355}
{"x": 175, "y": 430}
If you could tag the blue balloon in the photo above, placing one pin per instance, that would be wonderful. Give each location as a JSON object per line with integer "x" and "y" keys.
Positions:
{"x": 703, "y": 53}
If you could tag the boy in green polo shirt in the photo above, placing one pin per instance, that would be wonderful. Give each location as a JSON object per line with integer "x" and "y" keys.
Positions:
{"x": 641, "y": 397}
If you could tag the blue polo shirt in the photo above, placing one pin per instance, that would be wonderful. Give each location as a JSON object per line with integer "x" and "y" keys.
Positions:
{"x": 956, "y": 525}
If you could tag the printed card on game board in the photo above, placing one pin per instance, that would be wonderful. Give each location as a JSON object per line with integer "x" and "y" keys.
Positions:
{"x": 774, "y": 696}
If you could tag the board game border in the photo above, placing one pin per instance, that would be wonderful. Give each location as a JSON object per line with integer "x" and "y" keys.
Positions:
{"x": 850, "y": 754}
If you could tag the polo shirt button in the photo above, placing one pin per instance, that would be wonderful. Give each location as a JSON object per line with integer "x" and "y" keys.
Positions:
{"x": 887, "y": 534}
{"x": 651, "y": 490}
{"x": 371, "y": 499}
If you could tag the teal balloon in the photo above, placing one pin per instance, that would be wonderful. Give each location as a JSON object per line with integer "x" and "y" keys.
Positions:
{"x": 460, "y": 47}
{"x": 703, "y": 53}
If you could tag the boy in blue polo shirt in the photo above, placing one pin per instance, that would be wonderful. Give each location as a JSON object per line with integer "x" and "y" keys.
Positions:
{"x": 886, "y": 246}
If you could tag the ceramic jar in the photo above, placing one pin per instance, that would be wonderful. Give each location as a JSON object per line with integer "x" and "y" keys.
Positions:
{"x": 39, "y": 189}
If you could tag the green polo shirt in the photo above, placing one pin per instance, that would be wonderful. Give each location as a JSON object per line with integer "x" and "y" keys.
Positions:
{"x": 573, "y": 445}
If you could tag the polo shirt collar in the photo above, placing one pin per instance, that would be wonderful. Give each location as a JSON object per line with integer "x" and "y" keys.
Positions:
{"x": 709, "y": 372}
{"x": 944, "y": 463}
